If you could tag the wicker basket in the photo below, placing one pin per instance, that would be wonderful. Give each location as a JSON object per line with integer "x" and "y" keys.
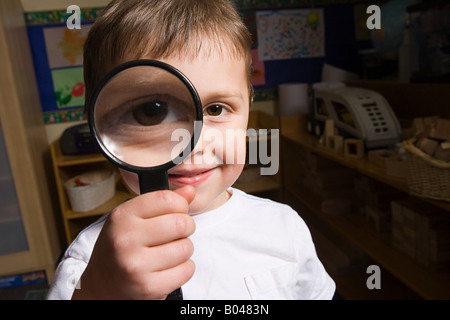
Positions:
{"x": 427, "y": 177}
{"x": 99, "y": 189}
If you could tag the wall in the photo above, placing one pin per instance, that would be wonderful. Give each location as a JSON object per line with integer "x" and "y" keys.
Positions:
{"x": 411, "y": 100}
{"x": 49, "y": 5}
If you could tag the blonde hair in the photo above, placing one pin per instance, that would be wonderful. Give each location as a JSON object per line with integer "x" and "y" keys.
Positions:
{"x": 131, "y": 29}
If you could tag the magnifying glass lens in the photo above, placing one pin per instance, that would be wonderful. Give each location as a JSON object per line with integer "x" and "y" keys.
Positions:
{"x": 137, "y": 113}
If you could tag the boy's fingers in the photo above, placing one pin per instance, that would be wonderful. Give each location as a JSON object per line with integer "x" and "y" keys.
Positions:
{"x": 171, "y": 279}
{"x": 187, "y": 192}
{"x": 170, "y": 255}
{"x": 164, "y": 229}
{"x": 154, "y": 204}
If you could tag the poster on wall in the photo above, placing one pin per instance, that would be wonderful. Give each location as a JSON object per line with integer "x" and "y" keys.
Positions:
{"x": 290, "y": 34}
{"x": 58, "y": 60}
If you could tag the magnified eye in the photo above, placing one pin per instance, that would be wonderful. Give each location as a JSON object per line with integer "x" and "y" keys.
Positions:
{"x": 215, "y": 110}
{"x": 150, "y": 113}
{"x": 153, "y": 110}
{"x": 125, "y": 119}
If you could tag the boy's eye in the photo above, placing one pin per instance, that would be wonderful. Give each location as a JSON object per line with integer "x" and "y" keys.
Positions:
{"x": 215, "y": 110}
{"x": 150, "y": 113}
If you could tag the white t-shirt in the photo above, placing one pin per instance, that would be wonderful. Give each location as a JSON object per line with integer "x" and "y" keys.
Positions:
{"x": 249, "y": 248}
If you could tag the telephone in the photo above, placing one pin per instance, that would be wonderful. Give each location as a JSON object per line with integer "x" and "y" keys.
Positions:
{"x": 357, "y": 113}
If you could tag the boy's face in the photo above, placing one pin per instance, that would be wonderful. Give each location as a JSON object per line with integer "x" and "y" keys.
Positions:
{"x": 218, "y": 158}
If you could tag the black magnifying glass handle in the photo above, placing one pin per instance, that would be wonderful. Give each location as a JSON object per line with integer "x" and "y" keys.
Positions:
{"x": 175, "y": 295}
{"x": 152, "y": 182}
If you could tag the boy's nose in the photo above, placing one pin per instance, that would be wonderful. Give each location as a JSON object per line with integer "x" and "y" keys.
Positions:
{"x": 209, "y": 147}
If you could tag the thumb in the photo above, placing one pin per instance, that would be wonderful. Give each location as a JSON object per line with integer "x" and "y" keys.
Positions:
{"x": 187, "y": 192}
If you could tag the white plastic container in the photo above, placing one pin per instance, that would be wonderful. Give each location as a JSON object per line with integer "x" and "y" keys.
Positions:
{"x": 99, "y": 188}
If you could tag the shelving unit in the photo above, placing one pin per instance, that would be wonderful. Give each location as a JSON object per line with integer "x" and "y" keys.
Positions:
{"x": 409, "y": 278}
{"x": 66, "y": 167}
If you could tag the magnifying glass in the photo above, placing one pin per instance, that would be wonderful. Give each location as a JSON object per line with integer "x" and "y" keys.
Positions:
{"x": 133, "y": 115}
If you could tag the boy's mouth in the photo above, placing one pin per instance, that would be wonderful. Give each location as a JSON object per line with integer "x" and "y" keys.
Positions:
{"x": 190, "y": 177}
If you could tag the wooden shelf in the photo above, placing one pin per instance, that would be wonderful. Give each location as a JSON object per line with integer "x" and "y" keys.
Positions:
{"x": 66, "y": 167}
{"x": 63, "y": 160}
{"x": 118, "y": 198}
{"x": 362, "y": 165}
{"x": 425, "y": 282}
{"x": 420, "y": 281}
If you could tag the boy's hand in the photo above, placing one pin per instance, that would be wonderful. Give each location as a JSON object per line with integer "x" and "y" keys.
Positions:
{"x": 142, "y": 251}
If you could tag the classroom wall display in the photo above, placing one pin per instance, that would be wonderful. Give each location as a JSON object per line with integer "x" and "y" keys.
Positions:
{"x": 329, "y": 39}
{"x": 325, "y": 37}
{"x": 58, "y": 59}
{"x": 290, "y": 34}
{"x": 57, "y": 53}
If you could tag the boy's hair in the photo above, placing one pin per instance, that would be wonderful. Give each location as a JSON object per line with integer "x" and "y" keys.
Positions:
{"x": 131, "y": 29}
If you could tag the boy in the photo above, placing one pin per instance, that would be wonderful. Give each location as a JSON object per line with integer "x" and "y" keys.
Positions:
{"x": 243, "y": 247}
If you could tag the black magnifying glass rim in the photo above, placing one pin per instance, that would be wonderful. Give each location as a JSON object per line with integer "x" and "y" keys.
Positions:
{"x": 197, "y": 124}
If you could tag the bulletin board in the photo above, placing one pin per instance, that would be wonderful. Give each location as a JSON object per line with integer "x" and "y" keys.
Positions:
{"x": 290, "y": 34}
{"x": 58, "y": 59}
{"x": 57, "y": 53}
{"x": 325, "y": 34}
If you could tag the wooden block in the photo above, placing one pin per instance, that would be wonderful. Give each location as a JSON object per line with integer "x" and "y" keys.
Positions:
{"x": 329, "y": 128}
{"x": 440, "y": 129}
{"x": 443, "y": 151}
{"x": 428, "y": 146}
{"x": 445, "y": 145}
{"x": 353, "y": 148}
{"x": 335, "y": 143}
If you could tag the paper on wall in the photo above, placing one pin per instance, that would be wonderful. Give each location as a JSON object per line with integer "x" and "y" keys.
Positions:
{"x": 288, "y": 34}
